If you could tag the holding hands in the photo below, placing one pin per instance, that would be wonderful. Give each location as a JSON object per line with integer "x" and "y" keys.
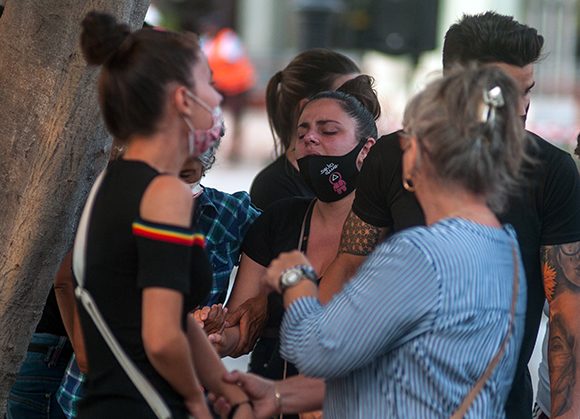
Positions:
{"x": 211, "y": 319}
{"x": 262, "y": 393}
{"x": 247, "y": 321}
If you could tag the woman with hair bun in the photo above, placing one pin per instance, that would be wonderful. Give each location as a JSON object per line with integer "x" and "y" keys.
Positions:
{"x": 335, "y": 131}
{"x": 145, "y": 265}
{"x": 310, "y": 72}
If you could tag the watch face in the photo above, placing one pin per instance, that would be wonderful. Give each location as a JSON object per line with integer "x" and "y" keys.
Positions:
{"x": 290, "y": 277}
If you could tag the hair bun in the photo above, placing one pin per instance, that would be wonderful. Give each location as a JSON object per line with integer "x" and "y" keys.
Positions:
{"x": 361, "y": 87}
{"x": 101, "y": 37}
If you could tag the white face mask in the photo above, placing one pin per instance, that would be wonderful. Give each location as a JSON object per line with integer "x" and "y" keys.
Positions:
{"x": 202, "y": 139}
{"x": 196, "y": 189}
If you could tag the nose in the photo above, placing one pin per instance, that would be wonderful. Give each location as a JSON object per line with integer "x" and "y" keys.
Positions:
{"x": 310, "y": 138}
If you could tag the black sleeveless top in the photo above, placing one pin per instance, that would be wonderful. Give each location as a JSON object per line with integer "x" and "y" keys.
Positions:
{"x": 124, "y": 255}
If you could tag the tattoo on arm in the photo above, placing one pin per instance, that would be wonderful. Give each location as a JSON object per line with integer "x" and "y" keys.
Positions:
{"x": 561, "y": 269}
{"x": 561, "y": 274}
{"x": 562, "y": 365}
{"x": 359, "y": 238}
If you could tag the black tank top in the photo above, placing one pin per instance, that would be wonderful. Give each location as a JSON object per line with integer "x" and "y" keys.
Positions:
{"x": 124, "y": 255}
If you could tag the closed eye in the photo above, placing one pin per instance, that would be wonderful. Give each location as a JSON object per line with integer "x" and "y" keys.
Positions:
{"x": 529, "y": 89}
{"x": 185, "y": 174}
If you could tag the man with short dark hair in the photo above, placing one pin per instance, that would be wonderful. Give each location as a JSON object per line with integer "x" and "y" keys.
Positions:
{"x": 491, "y": 38}
{"x": 546, "y": 215}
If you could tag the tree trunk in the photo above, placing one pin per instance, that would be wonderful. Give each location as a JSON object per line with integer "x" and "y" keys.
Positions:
{"x": 52, "y": 145}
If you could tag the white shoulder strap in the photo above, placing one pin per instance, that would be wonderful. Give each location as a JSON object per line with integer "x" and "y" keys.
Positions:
{"x": 151, "y": 395}
{"x": 80, "y": 244}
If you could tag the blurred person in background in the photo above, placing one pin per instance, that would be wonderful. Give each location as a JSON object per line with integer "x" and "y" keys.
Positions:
{"x": 233, "y": 74}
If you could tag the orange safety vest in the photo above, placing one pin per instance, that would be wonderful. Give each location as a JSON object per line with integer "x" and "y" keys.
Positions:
{"x": 233, "y": 72}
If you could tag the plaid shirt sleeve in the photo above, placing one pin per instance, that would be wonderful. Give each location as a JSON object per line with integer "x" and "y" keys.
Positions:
{"x": 70, "y": 391}
{"x": 224, "y": 219}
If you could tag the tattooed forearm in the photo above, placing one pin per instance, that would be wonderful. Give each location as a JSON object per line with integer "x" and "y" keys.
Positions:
{"x": 561, "y": 274}
{"x": 562, "y": 365}
{"x": 359, "y": 238}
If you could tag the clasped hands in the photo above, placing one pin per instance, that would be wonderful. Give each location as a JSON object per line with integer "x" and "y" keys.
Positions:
{"x": 245, "y": 323}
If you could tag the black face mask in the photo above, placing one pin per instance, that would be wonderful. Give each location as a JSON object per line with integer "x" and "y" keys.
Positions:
{"x": 331, "y": 177}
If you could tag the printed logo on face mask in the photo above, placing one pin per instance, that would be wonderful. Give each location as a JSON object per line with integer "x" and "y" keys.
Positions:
{"x": 338, "y": 184}
{"x": 321, "y": 175}
{"x": 329, "y": 168}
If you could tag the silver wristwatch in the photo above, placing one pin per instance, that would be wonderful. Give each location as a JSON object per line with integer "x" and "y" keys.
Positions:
{"x": 295, "y": 274}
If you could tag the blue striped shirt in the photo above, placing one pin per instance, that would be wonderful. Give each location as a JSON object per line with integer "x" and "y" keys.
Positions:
{"x": 416, "y": 327}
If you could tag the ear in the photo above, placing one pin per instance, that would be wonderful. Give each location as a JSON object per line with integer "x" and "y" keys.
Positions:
{"x": 410, "y": 155}
{"x": 180, "y": 98}
{"x": 364, "y": 152}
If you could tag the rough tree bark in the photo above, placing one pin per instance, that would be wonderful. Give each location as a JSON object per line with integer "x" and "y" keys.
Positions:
{"x": 52, "y": 144}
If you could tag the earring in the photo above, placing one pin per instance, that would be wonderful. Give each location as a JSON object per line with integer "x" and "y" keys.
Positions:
{"x": 408, "y": 184}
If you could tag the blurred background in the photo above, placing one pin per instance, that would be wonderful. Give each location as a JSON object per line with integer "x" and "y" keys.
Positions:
{"x": 398, "y": 42}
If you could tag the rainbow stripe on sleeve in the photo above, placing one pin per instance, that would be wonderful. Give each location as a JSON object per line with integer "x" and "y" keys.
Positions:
{"x": 168, "y": 234}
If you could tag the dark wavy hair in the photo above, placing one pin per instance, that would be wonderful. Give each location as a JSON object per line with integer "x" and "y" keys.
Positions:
{"x": 491, "y": 37}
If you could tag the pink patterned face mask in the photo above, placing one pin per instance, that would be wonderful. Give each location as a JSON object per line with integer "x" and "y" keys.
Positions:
{"x": 200, "y": 140}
